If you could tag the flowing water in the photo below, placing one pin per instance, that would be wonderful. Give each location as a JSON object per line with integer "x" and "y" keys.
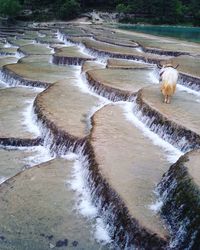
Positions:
{"x": 66, "y": 208}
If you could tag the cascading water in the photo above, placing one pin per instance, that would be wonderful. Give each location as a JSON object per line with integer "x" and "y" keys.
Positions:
{"x": 88, "y": 200}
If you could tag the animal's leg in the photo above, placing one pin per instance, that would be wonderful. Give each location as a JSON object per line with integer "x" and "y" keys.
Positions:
{"x": 168, "y": 99}
{"x": 165, "y": 101}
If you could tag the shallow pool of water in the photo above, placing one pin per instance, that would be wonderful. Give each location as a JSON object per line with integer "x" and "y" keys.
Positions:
{"x": 183, "y": 33}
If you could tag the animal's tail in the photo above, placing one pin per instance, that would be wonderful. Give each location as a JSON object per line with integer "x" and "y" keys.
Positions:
{"x": 168, "y": 89}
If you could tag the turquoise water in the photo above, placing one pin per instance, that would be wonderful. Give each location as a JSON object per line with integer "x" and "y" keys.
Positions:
{"x": 183, "y": 33}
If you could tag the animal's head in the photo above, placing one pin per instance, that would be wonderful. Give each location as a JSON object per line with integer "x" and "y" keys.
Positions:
{"x": 167, "y": 65}
{"x": 164, "y": 67}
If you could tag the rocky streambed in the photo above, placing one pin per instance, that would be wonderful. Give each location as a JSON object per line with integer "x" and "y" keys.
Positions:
{"x": 90, "y": 156}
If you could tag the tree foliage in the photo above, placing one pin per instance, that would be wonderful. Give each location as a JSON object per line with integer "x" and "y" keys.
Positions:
{"x": 161, "y": 11}
{"x": 154, "y": 11}
{"x": 9, "y": 8}
{"x": 69, "y": 9}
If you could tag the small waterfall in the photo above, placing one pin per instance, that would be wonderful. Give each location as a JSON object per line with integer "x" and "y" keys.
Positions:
{"x": 190, "y": 81}
{"x": 164, "y": 52}
{"x": 135, "y": 117}
{"x": 13, "y": 80}
{"x": 59, "y": 60}
{"x": 63, "y": 38}
{"x": 29, "y": 118}
{"x": 7, "y": 45}
{"x": 111, "y": 208}
{"x": 41, "y": 34}
{"x": 112, "y": 94}
{"x": 84, "y": 205}
{"x": 180, "y": 208}
{"x": 177, "y": 135}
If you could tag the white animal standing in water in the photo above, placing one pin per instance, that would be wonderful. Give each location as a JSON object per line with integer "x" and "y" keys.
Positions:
{"x": 168, "y": 79}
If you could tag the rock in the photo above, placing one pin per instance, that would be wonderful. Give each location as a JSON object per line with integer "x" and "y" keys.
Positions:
{"x": 61, "y": 243}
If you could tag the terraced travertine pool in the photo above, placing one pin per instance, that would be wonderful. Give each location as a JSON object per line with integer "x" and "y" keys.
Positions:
{"x": 90, "y": 156}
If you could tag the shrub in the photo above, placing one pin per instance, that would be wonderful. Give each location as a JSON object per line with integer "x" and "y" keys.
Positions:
{"x": 69, "y": 9}
{"x": 9, "y": 8}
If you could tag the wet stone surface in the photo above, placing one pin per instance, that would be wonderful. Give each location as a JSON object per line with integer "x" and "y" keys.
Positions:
{"x": 188, "y": 64}
{"x": 20, "y": 42}
{"x": 89, "y": 65}
{"x": 16, "y": 159}
{"x": 40, "y": 71}
{"x": 8, "y": 51}
{"x": 136, "y": 188}
{"x": 47, "y": 220}
{"x": 14, "y": 103}
{"x": 129, "y": 80}
{"x": 183, "y": 109}
{"x": 119, "y": 51}
{"x": 127, "y": 64}
{"x": 69, "y": 113}
{"x": 38, "y": 208}
{"x": 70, "y": 55}
{"x": 35, "y": 49}
{"x": 7, "y": 60}
{"x": 155, "y": 42}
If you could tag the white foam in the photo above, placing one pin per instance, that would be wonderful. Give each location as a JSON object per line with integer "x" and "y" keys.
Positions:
{"x": 52, "y": 50}
{"x": 154, "y": 77}
{"x": 81, "y": 83}
{"x": 40, "y": 154}
{"x": 9, "y": 45}
{"x": 83, "y": 49}
{"x": 78, "y": 184}
{"x": 61, "y": 37}
{"x": 29, "y": 120}
{"x": 188, "y": 90}
{"x": 92, "y": 111}
{"x": 155, "y": 207}
{"x": 139, "y": 49}
{"x": 40, "y": 34}
{"x": 19, "y": 55}
{"x": 172, "y": 153}
{"x": 84, "y": 204}
{"x": 2, "y": 82}
{"x": 101, "y": 232}
{"x": 2, "y": 179}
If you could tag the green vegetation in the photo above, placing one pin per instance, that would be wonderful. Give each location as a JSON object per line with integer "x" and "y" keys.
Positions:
{"x": 9, "y": 8}
{"x": 69, "y": 9}
{"x": 160, "y": 11}
{"x": 132, "y": 11}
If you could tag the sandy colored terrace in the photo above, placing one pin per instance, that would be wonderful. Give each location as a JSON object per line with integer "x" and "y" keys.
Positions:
{"x": 127, "y": 80}
{"x": 115, "y": 50}
{"x": 7, "y": 60}
{"x": 123, "y": 169}
{"x": 163, "y": 43}
{"x": 127, "y": 64}
{"x": 121, "y": 141}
